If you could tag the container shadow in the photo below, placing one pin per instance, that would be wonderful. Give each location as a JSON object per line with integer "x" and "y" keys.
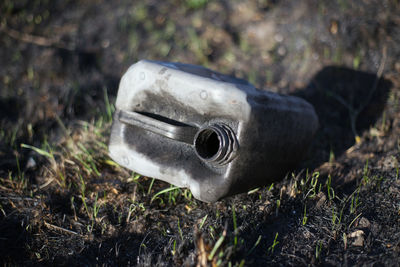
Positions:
{"x": 347, "y": 103}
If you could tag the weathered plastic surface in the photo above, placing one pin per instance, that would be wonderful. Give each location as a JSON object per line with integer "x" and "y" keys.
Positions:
{"x": 196, "y": 128}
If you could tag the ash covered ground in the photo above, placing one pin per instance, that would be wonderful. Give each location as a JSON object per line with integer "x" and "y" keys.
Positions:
{"x": 64, "y": 202}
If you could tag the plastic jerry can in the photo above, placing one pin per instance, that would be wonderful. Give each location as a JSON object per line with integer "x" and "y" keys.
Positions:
{"x": 212, "y": 133}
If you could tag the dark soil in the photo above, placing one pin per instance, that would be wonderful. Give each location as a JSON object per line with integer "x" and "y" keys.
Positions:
{"x": 64, "y": 202}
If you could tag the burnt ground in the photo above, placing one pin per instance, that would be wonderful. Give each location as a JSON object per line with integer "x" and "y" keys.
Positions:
{"x": 64, "y": 202}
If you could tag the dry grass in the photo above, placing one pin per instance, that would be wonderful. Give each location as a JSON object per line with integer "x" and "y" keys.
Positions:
{"x": 63, "y": 201}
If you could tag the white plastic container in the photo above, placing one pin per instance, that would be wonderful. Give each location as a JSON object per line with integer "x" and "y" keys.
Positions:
{"x": 215, "y": 134}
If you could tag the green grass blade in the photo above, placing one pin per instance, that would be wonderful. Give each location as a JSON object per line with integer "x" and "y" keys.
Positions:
{"x": 38, "y": 150}
{"x": 216, "y": 247}
{"x": 163, "y": 192}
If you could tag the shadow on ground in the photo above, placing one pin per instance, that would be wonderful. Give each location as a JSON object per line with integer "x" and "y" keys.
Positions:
{"x": 347, "y": 103}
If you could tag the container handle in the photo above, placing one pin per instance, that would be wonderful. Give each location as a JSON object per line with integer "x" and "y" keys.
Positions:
{"x": 160, "y": 125}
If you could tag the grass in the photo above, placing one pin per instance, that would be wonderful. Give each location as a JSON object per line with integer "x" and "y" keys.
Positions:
{"x": 255, "y": 245}
{"x": 274, "y": 244}
{"x": 172, "y": 190}
{"x": 305, "y": 218}
{"x": 234, "y": 225}
{"x": 318, "y": 250}
{"x": 196, "y": 4}
{"x": 217, "y": 245}
{"x": 87, "y": 161}
{"x": 49, "y": 154}
{"x": 203, "y": 221}
{"x": 77, "y": 200}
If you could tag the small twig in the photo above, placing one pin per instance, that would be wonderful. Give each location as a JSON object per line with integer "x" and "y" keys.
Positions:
{"x": 376, "y": 82}
{"x": 295, "y": 257}
{"x": 6, "y": 188}
{"x": 354, "y": 112}
{"x": 55, "y": 227}
{"x": 201, "y": 250}
{"x": 342, "y": 101}
{"x": 34, "y": 39}
{"x": 19, "y": 198}
{"x": 140, "y": 246}
{"x": 47, "y": 183}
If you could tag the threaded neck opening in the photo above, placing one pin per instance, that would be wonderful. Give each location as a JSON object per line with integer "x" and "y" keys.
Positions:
{"x": 215, "y": 144}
